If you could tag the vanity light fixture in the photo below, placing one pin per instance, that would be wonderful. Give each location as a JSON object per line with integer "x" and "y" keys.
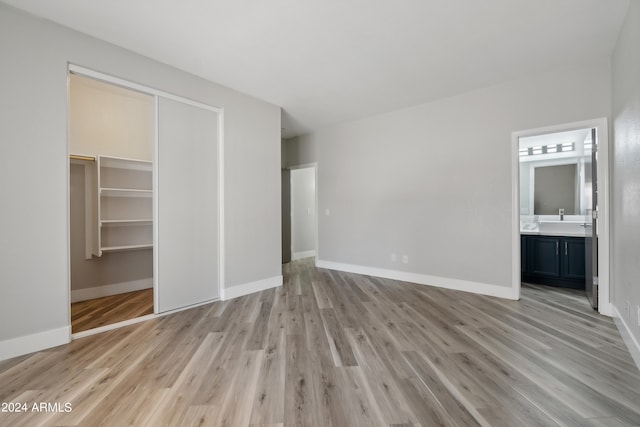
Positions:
{"x": 547, "y": 149}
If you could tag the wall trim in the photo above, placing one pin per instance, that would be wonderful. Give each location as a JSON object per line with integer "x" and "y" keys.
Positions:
{"x": 425, "y": 279}
{"x": 113, "y": 289}
{"x": 305, "y": 254}
{"x": 249, "y": 288}
{"x": 627, "y": 336}
{"x": 35, "y": 342}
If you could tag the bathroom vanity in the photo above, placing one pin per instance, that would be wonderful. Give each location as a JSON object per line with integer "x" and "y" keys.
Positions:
{"x": 553, "y": 253}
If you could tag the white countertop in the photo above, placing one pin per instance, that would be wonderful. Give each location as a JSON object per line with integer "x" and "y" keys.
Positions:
{"x": 553, "y": 233}
{"x": 554, "y": 228}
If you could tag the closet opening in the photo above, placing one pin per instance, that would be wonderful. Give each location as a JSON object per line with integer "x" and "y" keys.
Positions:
{"x": 111, "y": 146}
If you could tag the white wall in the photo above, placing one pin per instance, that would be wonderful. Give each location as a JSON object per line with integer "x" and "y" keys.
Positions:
{"x": 625, "y": 283}
{"x": 34, "y": 259}
{"x": 298, "y": 151}
{"x": 303, "y": 212}
{"x": 526, "y": 207}
{"x": 434, "y": 181}
{"x": 110, "y": 121}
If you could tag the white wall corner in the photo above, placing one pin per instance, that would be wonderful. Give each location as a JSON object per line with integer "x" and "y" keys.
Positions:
{"x": 35, "y": 342}
{"x": 627, "y": 336}
{"x": 506, "y": 292}
{"x": 249, "y": 288}
{"x": 108, "y": 290}
{"x": 301, "y": 255}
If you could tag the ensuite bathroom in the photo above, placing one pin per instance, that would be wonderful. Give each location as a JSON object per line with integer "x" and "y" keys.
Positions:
{"x": 558, "y": 210}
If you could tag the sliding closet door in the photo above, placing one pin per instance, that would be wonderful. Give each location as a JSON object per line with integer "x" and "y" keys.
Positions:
{"x": 187, "y": 258}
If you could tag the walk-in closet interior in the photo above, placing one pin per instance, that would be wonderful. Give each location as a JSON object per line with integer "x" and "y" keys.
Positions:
{"x": 111, "y": 140}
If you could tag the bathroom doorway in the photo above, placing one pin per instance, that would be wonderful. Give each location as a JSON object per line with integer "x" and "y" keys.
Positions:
{"x": 561, "y": 209}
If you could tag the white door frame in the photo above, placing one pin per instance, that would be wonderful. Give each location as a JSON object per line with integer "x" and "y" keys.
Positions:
{"x": 87, "y": 72}
{"x": 602, "y": 133}
{"x": 315, "y": 169}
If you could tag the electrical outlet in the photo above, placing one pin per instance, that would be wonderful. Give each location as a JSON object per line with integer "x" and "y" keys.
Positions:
{"x": 405, "y": 259}
{"x": 394, "y": 257}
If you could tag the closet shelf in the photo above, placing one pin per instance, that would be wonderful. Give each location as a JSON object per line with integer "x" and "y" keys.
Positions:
{"x": 126, "y": 248}
{"x": 141, "y": 221}
{"x": 122, "y": 163}
{"x": 125, "y": 192}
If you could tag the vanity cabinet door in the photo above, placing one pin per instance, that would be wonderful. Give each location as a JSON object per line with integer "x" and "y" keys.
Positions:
{"x": 553, "y": 261}
{"x": 573, "y": 261}
{"x": 544, "y": 256}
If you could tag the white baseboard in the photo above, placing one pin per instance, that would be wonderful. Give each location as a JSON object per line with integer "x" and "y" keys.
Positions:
{"x": 628, "y": 337}
{"x": 249, "y": 288}
{"x": 423, "y": 279}
{"x": 34, "y": 342}
{"x": 305, "y": 254}
{"x": 108, "y": 290}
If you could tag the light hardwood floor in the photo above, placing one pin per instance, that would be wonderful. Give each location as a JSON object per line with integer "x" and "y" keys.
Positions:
{"x": 98, "y": 312}
{"x": 337, "y": 349}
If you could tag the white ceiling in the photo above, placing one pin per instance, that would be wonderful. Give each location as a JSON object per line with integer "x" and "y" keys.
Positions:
{"x": 327, "y": 61}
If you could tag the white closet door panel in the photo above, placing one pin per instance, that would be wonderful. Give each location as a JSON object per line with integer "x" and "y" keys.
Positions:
{"x": 187, "y": 205}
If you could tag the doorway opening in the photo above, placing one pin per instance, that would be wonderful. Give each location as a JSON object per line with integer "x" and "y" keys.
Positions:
{"x": 561, "y": 199}
{"x": 111, "y": 144}
{"x": 299, "y": 213}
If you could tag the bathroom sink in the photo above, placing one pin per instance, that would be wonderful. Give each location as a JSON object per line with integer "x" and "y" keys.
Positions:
{"x": 563, "y": 228}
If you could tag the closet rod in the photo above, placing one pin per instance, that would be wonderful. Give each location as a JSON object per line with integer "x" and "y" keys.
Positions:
{"x": 79, "y": 157}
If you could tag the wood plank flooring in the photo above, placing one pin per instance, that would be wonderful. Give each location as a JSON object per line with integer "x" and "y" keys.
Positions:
{"x": 338, "y": 349}
{"x": 98, "y": 312}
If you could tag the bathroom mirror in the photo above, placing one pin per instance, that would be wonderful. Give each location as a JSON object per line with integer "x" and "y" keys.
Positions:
{"x": 555, "y": 187}
{"x": 553, "y": 174}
